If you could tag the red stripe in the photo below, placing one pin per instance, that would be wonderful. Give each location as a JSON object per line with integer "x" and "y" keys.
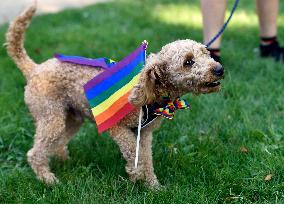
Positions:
{"x": 127, "y": 108}
{"x": 114, "y": 108}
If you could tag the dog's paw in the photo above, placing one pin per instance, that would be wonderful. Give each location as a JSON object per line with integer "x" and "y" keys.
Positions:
{"x": 135, "y": 174}
{"x": 154, "y": 184}
{"x": 49, "y": 178}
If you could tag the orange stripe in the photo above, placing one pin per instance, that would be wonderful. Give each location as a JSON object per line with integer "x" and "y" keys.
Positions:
{"x": 116, "y": 106}
{"x": 126, "y": 109}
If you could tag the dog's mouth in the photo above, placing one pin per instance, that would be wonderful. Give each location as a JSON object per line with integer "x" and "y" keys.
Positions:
{"x": 212, "y": 84}
{"x": 209, "y": 87}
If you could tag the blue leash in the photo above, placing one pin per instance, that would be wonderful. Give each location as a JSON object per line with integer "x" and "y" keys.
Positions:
{"x": 225, "y": 25}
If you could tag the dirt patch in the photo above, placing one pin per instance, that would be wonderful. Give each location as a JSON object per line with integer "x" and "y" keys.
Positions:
{"x": 9, "y": 9}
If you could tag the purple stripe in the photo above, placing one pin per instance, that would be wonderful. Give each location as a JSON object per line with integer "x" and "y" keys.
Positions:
{"x": 120, "y": 65}
{"x": 82, "y": 60}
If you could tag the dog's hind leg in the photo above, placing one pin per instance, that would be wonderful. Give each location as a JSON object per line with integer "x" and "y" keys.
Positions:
{"x": 73, "y": 124}
{"x": 52, "y": 135}
{"x": 72, "y": 127}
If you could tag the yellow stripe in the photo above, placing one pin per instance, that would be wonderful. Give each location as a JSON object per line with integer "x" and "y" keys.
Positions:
{"x": 114, "y": 97}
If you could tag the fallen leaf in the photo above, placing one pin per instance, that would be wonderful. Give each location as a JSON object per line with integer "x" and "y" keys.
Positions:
{"x": 244, "y": 149}
{"x": 37, "y": 50}
{"x": 233, "y": 198}
{"x": 268, "y": 177}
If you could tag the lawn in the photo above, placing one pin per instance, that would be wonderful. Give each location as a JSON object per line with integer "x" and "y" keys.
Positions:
{"x": 219, "y": 151}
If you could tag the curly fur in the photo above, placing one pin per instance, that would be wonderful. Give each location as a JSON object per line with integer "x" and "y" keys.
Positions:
{"x": 55, "y": 97}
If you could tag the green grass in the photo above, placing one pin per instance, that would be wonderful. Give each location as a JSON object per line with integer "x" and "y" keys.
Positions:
{"x": 197, "y": 156}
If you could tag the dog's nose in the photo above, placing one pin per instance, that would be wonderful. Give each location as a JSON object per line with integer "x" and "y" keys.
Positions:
{"x": 218, "y": 70}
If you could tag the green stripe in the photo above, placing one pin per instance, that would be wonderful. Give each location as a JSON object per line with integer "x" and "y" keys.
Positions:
{"x": 106, "y": 94}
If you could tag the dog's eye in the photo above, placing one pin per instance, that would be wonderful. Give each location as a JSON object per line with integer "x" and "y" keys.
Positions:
{"x": 188, "y": 63}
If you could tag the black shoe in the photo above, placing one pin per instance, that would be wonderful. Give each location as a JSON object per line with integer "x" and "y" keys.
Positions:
{"x": 217, "y": 58}
{"x": 272, "y": 50}
{"x": 214, "y": 55}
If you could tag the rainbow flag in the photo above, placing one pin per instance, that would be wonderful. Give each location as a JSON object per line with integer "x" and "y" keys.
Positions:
{"x": 108, "y": 92}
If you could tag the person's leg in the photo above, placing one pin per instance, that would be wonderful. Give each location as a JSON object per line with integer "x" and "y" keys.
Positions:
{"x": 267, "y": 14}
{"x": 213, "y": 13}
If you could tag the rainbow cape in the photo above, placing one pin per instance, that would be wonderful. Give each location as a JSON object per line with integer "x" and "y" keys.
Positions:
{"x": 108, "y": 92}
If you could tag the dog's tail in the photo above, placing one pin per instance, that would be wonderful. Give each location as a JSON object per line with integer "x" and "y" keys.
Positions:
{"x": 15, "y": 41}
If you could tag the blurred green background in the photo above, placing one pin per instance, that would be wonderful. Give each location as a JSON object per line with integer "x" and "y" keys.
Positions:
{"x": 219, "y": 151}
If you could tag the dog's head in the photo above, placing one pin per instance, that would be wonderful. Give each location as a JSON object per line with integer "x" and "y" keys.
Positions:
{"x": 180, "y": 67}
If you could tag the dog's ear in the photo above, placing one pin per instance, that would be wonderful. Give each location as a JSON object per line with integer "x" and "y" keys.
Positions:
{"x": 152, "y": 76}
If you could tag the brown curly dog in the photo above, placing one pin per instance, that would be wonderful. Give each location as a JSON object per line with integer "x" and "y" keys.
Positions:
{"x": 55, "y": 97}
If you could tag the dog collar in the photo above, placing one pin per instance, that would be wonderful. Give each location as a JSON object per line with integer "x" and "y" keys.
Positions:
{"x": 167, "y": 110}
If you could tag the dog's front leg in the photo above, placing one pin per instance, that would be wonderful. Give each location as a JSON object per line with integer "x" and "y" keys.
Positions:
{"x": 145, "y": 158}
{"x": 126, "y": 140}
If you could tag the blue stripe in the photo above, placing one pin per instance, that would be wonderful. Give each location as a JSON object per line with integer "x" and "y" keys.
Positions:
{"x": 107, "y": 83}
